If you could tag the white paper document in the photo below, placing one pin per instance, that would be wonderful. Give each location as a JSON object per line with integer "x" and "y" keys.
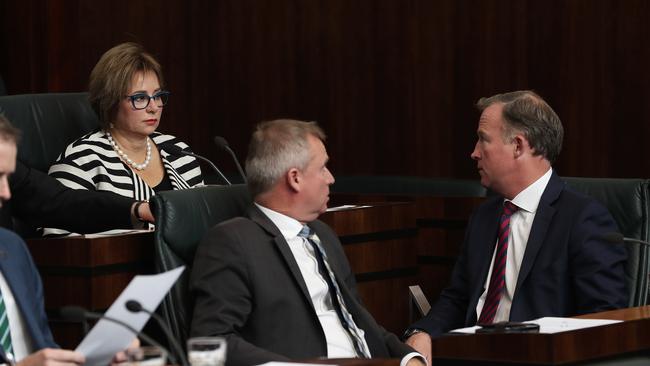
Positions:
{"x": 557, "y": 325}
{"x": 346, "y": 207}
{"x": 107, "y": 337}
{"x": 550, "y": 325}
{"x": 114, "y": 232}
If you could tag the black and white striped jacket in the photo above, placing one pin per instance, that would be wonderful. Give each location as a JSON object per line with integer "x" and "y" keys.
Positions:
{"x": 91, "y": 163}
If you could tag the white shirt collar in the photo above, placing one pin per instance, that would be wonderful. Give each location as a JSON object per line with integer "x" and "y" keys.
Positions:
{"x": 288, "y": 226}
{"x": 528, "y": 199}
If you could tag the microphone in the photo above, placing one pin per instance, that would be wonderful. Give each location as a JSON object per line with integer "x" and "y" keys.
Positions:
{"x": 223, "y": 144}
{"x": 175, "y": 150}
{"x": 618, "y": 238}
{"x": 78, "y": 314}
{"x": 134, "y": 306}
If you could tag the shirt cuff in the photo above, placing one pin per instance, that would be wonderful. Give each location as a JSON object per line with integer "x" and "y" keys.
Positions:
{"x": 409, "y": 356}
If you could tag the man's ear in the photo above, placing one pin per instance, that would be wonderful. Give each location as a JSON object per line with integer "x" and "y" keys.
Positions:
{"x": 293, "y": 179}
{"x": 521, "y": 145}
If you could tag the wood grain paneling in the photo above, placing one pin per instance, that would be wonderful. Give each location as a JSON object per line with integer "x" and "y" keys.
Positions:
{"x": 392, "y": 82}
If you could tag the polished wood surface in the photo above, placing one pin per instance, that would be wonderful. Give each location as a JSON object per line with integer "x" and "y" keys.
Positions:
{"x": 637, "y": 313}
{"x": 614, "y": 340}
{"x": 393, "y": 82}
{"x": 90, "y": 272}
{"x": 441, "y": 224}
{"x": 380, "y": 243}
{"x": 88, "y": 252}
{"x": 87, "y": 272}
{"x": 379, "y": 217}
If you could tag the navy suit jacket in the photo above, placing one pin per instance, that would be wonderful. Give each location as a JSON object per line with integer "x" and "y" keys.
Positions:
{"x": 22, "y": 277}
{"x": 40, "y": 200}
{"x": 248, "y": 287}
{"x": 567, "y": 269}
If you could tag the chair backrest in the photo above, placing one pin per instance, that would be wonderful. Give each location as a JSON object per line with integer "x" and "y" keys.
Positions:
{"x": 627, "y": 201}
{"x": 49, "y": 122}
{"x": 182, "y": 218}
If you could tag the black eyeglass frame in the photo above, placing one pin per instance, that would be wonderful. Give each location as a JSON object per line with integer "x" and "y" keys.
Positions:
{"x": 163, "y": 95}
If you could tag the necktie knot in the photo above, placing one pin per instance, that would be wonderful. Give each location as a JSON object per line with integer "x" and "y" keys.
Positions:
{"x": 509, "y": 208}
{"x": 305, "y": 232}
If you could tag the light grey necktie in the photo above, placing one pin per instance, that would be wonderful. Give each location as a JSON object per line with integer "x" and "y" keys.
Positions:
{"x": 335, "y": 293}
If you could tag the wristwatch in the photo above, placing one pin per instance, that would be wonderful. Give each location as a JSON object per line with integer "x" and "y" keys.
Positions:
{"x": 411, "y": 331}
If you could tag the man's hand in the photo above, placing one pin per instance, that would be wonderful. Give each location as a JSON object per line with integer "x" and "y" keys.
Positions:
{"x": 121, "y": 356}
{"x": 53, "y": 357}
{"x": 141, "y": 214}
{"x": 145, "y": 212}
{"x": 421, "y": 342}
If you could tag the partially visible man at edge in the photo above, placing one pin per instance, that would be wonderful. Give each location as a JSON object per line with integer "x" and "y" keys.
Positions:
{"x": 277, "y": 283}
{"x": 25, "y": 337}
{"x": 40, "y": 200}
{"x": 536, "y": 250}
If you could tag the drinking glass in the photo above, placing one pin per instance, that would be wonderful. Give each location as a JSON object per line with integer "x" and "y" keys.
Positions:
{"x": 146, "y": 356}
{"x": 206, "y": 351}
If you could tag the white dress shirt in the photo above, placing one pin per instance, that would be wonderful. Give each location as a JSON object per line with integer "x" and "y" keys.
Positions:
{"x": 520, "y": 224}
{"x": 339, "y": 343}
{"x": 20, "y": 338}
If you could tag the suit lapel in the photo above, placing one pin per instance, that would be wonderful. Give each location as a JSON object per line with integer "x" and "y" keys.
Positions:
{"x": 3, "y": 269}
{"x": 543, "y": 218}
{"x": 283, "y": 247}
{"x": 15, "y": 279}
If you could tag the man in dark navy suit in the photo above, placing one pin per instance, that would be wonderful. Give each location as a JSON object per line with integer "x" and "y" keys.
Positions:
{"x": 535, "y": 250}
{"x": 24, "y": 334}
{"x": 25, "y": 337}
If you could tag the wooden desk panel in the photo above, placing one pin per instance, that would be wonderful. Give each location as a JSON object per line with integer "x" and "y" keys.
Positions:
{"x": 629, "y": 337}
{"x": 83, "y": 252}
{"x": 441, "y": 223}
{"x": 380, "y": 217}
{"x": 387, "y": 301}
{"x": 380, "y": 243}
{"x": 87, "y": 272}
{"x": 90, "y": 272}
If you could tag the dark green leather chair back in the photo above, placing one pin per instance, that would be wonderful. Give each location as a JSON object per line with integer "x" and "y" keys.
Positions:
{"x": 49, "y": 122}
{"x": 182, "y": 218}
{"x": 627, "y": 201}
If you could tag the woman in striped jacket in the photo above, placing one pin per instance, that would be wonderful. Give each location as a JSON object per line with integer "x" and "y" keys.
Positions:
{"x": 126, "y": 155}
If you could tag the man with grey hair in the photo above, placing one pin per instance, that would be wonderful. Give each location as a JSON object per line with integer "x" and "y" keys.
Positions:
{"x": 277, "y": 283}
{"x": 538, "y": 248}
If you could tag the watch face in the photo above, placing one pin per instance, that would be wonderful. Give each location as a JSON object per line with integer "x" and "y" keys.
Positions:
{"x": 410, "y": 332}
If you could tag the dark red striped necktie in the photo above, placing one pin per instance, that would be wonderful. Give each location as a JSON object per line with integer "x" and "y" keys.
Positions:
{"x": 498, "y": 278}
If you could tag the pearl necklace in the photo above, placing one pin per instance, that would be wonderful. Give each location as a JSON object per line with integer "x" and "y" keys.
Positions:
{"x": 126, "y": 158}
